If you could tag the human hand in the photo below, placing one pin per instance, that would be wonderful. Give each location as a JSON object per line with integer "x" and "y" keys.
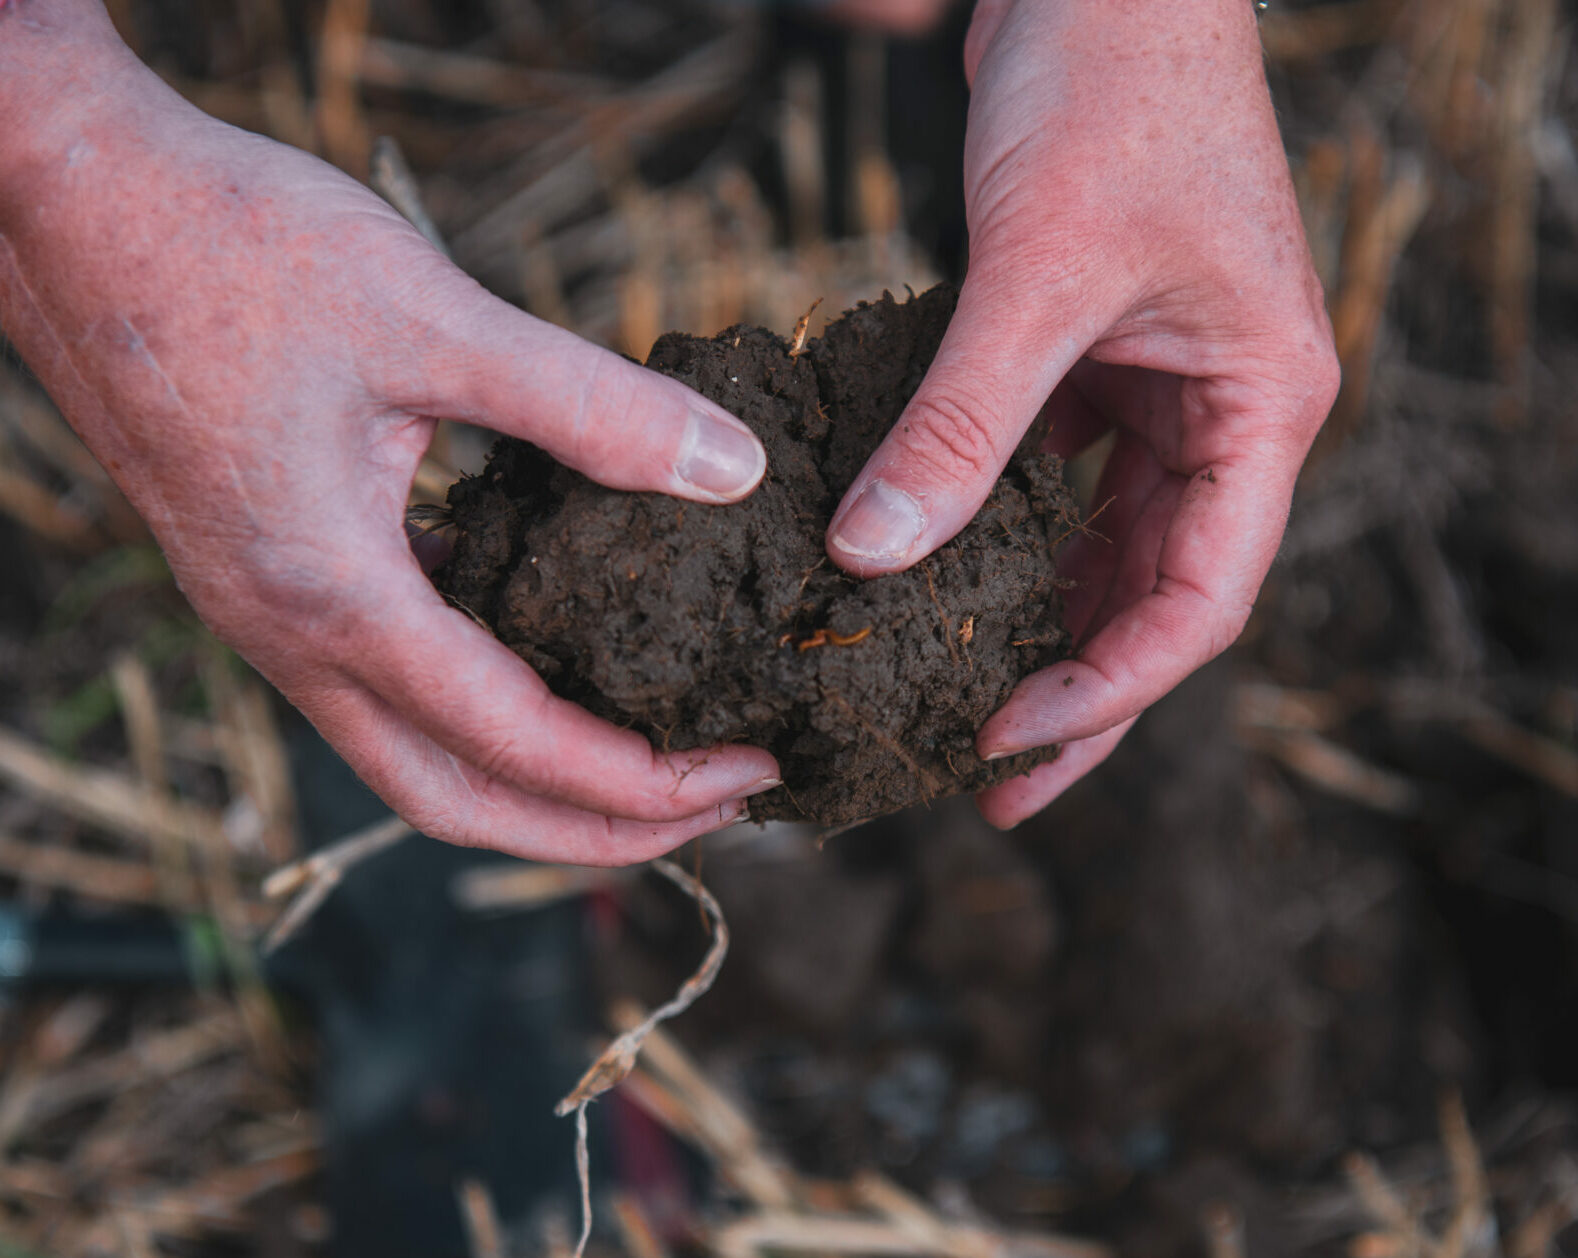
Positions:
{"x": 256, "y": 347}
{"x": 1136, "y": 262}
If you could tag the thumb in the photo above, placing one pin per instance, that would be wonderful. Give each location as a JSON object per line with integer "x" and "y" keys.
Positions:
{"x": 618, "y": 423}
{"x": 997, "y": 365}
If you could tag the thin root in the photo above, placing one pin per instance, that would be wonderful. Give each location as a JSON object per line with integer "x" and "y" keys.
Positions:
{"x": 426, "y": 518}
{"x": 1083, "y": 528}
{"x": 947, "y": 625}
{"x": 469, "y": 615}
{"x": 923, "y": 779}
{"x": 619, "y": 1058}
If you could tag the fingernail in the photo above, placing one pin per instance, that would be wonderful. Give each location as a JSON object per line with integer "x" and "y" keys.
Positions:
{"x": 766, "y": 784}
{"x": 997, "y": 755}
{"x": 883, "y": 523}
{"x": 719, "y": 457}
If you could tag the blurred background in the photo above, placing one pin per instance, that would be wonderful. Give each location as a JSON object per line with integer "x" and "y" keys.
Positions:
{"x": 1296, "y": 973}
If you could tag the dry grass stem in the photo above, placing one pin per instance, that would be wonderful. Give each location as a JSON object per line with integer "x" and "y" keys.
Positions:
{"x": 505, "y": 888}
{"x": 770, "y": 1231}
{"x": 1528, "y": 54}
{"x": 392, "y": 179}
{"x": 219, "y": 1200}
{"x": 1466, "y": 1231}
{"x": 1335, "y": 770}
{"x": 263, "y": 800}
{"x": 102, "y": 798}
{"x": 41, "y": 512}
{"x": 1470, "y": 1230}
{"x": 1311, "y": 34}
{"x": 477, "y": 80}
{"x": 636, "y": 1233}
{"x": 801, "y": 327}
{"x": 616, "y": 1061}
{"x": 1492, "y": 731}
{"x": 676, "y": 1092}
{"x": 312, "y": 880}
{"x": 1540, "y": 757}
{"x": 1383, "y": 216}
{"x": 1224, "y": 1231}
{"x": 1266, "y": 706}
{"x": 27, "y": 1102}
{"x": 1381, "y": 1200}
{"x": 98, "y": 877}
{"x": 483, "y": 1233}
{"x": 139, "y": 706}
{"x": 341, "y": 124}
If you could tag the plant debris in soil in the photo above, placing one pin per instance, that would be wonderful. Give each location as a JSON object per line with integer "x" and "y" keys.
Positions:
{"x": 699, "y": 625}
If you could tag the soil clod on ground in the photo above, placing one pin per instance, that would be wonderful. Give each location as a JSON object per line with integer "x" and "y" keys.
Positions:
{"x": 699, "y": 625}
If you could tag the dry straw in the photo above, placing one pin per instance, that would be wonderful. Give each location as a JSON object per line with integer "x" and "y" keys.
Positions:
{"x": 616, "y": 1061}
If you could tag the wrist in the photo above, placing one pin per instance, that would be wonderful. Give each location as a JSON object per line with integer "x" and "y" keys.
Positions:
{"x": 1198, "y": 23}
{"x": 61, "y": 65}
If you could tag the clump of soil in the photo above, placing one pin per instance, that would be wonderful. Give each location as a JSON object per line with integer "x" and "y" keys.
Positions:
{"x": 699, "y": 624}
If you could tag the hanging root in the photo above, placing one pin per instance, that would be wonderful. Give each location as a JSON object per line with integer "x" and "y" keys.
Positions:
{"x": 619, "y": 1058}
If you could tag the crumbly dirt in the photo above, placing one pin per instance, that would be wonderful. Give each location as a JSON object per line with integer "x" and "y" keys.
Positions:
{"x": 699, "y": 625}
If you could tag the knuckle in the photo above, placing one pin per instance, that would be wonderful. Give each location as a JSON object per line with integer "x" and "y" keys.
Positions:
{"x": 1227, "y": 628}
{"x": 1308, "y": 371}
{"x": 607, "y": 415}
{"x": 436, "y": 821}
{"x": 953, "y": 438}
{"x": 270, "y": 587}
{"x": 1326, "y": 381}
{"x": 657, "y": 808}
{"x": 658, "y": 804}
{"x": 504, "y": 758}
{"x": 1206, "y": 622}
{"x": 1224, "y": 623}
{"x": 661, "y": 795}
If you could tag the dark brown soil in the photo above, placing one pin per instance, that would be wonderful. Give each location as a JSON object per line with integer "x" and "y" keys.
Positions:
{"x": 699, "y": 624}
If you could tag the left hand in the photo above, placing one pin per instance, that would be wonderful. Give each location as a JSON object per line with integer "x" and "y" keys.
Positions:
{"x": 1137, "y": 262}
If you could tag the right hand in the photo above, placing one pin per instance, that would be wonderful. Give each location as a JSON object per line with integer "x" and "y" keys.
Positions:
{"x": 256, "y": 347}
{"x": 1137, "y": 264}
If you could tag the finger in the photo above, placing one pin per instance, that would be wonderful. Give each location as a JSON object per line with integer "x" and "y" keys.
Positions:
{"x": 476, "y": 699}
{"x": 1214, "y": 554}
{"x": 1091, "y": 558}
{"x": 1008, "y": 804}
{"x": 620, "y": 424}
{"x": 996, "y": 367}
{"x": 445, "y": 798}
